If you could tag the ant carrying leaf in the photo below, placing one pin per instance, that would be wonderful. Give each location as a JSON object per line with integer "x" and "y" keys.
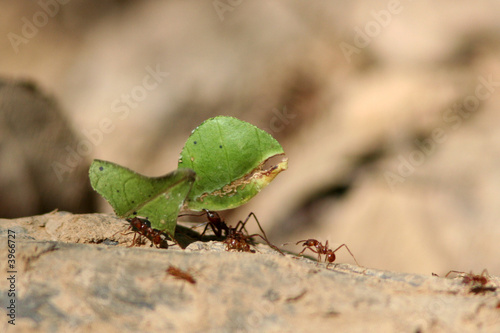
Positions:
{"x": 142, "y": 227}
{"x": 235, "y": 238}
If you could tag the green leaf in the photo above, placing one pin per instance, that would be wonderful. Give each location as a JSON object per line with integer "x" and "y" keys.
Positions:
{"x": 229, "y": 157}
{"x": 131, "y": 194}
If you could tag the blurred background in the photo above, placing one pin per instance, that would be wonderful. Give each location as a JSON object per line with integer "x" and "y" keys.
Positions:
{"x": 387, "y": 110}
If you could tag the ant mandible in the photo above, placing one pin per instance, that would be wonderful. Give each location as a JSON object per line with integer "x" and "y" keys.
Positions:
{"x": 323, "y": 249}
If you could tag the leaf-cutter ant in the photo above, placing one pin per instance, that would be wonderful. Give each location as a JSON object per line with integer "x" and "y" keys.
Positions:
{"x": 478, "y": 283}
{"x": 235, "y": 238}
{"x": 317, "y": 247}
{"x": 142, "y": 227}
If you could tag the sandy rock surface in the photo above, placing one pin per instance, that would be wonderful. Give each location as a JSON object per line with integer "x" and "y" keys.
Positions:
{"x": 393, "y": 148}
{"x": 75, "y": 273}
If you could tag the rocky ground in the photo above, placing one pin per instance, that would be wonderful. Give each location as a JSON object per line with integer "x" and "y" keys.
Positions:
{"x": 76, "y": 273}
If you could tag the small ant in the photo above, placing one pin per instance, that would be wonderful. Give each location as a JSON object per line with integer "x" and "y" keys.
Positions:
{"x": 180, "y": 274}
{"x": 470, "y": 278}
{"x": 142, "y": 227}
{"x": 323, "y": 249}
{"x": 477, "y": 282}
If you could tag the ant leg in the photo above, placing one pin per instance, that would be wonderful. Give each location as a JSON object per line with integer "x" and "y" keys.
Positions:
{"x": 123, "y": 232}
{"x": 204, "y": 230}
{"x": 268, "y": 243}
{"x": 258, "y": 223}
{"x": 457, "y": 272}
{"x": 349, "y": 252}
{"x": 241, "y": 224}
{"x": 206, "y": 223}
{"x": 217, "y": 232}
{"x": 134, "y": 240}
{"x": 308, "y": 247}
{"x": 302, "y": 251}
{"x": 173, "y": 239}
{"x": 263, "y": 236}
{"x": 485, "y": 273}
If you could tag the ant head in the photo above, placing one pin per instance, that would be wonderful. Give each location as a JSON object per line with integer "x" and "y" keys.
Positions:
{"x": 212, "y": 216}
{"x": 139, "y": 224}
{"x": 135, "y": 222}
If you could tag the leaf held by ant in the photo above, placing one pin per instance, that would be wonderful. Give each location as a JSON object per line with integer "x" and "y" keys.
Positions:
{"x": 230, "y": 158}
{"x": 131, "y": 194}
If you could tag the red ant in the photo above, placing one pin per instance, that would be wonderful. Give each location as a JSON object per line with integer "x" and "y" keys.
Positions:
{"x": 470, "y": 278}
{"x": 216, "y": 223}
{"x": 477, "y": 282}
{"x": 142, "y": 227}
{"x": 180, "y": 274}
{"x": 235, "y": 238}
{"x": 323, "y": 249}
